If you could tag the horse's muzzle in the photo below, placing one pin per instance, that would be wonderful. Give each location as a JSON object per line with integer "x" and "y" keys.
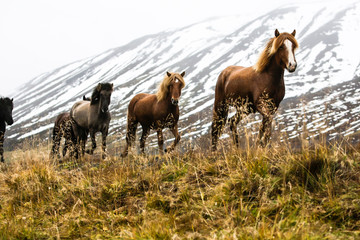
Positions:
{"x": 175, "y": 101}
{"x": 10, "y": 122}
{"x": 292, "y": 67}
{"x": 104, "y": 110}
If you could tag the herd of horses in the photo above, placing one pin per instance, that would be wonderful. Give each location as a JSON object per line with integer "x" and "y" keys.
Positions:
{"x": 259, "y": 88}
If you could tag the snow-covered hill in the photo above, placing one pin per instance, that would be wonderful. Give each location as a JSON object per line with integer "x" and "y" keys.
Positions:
{"x": 328, "y": 70}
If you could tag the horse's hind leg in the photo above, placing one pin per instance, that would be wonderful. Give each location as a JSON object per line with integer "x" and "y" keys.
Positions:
{"x": 130, "y": 136}
{"x": 57, "y": 134}
{"x": 66, "y": 145}
{"x": 220, "y": 113}
{"x": 144, "y": 135}
{"x": 174, "y": 131}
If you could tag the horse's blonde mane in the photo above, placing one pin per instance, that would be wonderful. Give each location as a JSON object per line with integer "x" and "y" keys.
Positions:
{"x": 163, "y": 87}
{"x": 271, "y": 48}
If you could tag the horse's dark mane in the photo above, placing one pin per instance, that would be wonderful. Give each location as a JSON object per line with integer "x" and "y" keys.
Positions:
{"x": 96, "y": 92}
{"x": 5, "y": 101}
{"x": 107, "y": 86}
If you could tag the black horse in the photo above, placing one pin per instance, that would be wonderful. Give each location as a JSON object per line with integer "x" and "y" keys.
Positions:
{"x": 6, "y": 107}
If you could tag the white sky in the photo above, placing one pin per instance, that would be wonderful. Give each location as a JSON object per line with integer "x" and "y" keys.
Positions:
{"x": 37, "y": 36}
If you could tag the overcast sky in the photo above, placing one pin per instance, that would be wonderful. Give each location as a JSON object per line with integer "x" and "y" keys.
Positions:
{"x": 37, "y": 36}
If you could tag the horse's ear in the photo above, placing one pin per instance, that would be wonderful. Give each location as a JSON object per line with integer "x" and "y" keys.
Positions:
{"x": 98, "y": 87}
{"x": 168, "y": 74}
{"x": 12, "y": 99}
{"x": 293, "y": 33}
{"x": 112, "y": 87}
{"x": 183, "y": 74}
{"x": 277, "y": 33}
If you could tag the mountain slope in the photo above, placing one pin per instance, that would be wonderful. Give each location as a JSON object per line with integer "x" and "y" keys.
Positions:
{"x": 326, "y": 58}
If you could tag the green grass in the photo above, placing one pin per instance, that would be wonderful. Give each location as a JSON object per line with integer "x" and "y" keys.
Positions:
{"x": 273, "y": 193}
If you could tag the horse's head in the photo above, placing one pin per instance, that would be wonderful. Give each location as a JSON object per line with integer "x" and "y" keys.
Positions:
{"x": 175, "y": 86}
{"x": 7, "y": 105}
{"x": 101, "y": 95}
{"x": 284, "y": 47}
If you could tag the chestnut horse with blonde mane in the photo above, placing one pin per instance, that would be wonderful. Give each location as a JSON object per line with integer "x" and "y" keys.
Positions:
{"x": 261, "y": 87}
{"x": 156, "y": 111}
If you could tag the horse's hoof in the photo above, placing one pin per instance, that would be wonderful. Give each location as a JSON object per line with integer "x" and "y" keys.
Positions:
{"x": 91, "y": 152}
{"x": 168, "y": 150}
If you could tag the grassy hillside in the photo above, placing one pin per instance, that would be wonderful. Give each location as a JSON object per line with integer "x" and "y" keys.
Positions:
{"x": 278, "y": 192}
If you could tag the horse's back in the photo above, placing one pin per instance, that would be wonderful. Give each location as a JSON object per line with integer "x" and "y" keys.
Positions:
{"x": 62, "y": 117}
{"x": 141, "y": 106}
{"x": 236, "y": 81}
{"x": 141, "y": 99}
{"x": 79, "y": 112}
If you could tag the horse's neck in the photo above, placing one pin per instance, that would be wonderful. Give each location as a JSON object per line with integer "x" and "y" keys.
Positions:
{"x": 96, "y": 112}
{"x": 2, "y": 125}
{"x": 276, "y": 72}
{"x": 95, "y": 108}
{"x": 166, "y": 103}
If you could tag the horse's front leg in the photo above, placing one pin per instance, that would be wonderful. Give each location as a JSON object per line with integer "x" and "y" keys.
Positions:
{"x": 160, "y": 141}
{"x": 104, "y": 135}
{"x": 2, "y": 146}
{"x": 234, "y": 121}
{"x": 267, "y": 109}
{"x": 176, "y": 134}
{"x": 144, "y": 135}
{"x": 93, "y": 141}
{"x": 265, "y": 130}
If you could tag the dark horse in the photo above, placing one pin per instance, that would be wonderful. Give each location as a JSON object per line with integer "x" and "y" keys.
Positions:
{"x": 66, "y": 127}
{"x": 94, "y": 115}
{"x": 156, "y": 111}
{"x": 261, "y": 87}
{"x": 6, "y": 107}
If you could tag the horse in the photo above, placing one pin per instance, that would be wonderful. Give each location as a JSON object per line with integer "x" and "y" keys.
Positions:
{"x": 86, "y": 98}
{"x": 260, "y": 86}
{"x": 156, "y": 111}
{"x": 6, "y": 108}
{"x": 94, "y": 116}
{"x": 64, "y": 127}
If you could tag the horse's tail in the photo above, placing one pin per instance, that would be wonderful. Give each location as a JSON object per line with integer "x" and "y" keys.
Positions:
{"x": 221, "y": 108}
{"x": 57, "y": 134}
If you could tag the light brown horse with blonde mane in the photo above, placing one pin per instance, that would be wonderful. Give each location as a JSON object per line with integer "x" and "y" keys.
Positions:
{"x": 261, "y": 87}
{"x": 156, "y": 111}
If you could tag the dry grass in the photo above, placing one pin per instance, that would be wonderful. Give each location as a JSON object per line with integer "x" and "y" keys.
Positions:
{"x": 277, "y": 193}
